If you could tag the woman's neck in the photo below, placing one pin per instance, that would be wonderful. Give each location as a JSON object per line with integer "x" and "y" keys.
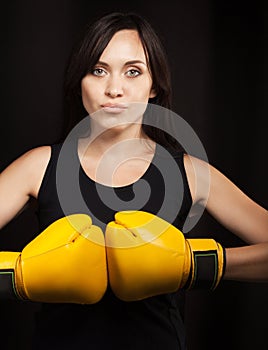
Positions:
{"x": 122, "y": 141}
{"x": 116, "y": 158}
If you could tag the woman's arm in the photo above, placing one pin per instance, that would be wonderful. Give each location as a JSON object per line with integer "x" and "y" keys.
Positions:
{"x": 249, "y": 263}
{"x": 20, "y": 181}
{"x": 239, "y": 214}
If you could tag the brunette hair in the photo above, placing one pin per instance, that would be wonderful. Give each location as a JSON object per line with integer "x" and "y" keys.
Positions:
{"x": 87, "y": 52}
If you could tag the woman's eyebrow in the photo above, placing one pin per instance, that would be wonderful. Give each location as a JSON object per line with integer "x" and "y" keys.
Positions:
{"x": 101, "y": 63}
{"x": 128, "y": 63}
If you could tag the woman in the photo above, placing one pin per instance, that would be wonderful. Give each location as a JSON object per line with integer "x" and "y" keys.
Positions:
{"x": 117, "y": 68}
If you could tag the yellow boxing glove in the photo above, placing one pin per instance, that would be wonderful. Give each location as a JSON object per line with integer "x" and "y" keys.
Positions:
{"x": 148, "y": 256}
{"x": 66, "y": 263}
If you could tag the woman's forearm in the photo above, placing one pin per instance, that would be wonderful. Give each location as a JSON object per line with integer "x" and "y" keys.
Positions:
{"x": 248, "y": 263}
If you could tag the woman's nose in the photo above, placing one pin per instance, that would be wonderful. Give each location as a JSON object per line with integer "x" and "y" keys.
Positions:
{"x": 113, "y": 92}
{"x": 114, "y": 89}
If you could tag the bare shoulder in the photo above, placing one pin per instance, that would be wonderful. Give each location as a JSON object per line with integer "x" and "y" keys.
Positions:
{"x": 38, "y": 155}
{"x": 198, "y": 173}
{"x": 29, "y": 160}
{"x": 37, "y": 160}
{"x": 192, "y": 162}
{"x": 28, "y": 169}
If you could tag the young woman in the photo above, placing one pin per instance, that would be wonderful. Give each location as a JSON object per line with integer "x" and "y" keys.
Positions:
{"x": 118, "y": 67}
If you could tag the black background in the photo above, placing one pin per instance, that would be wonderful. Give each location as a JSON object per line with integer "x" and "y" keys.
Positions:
{"x": 218, "y": 52}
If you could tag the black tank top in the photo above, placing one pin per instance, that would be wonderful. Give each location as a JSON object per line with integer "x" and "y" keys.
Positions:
{"x": 153, "y": 323}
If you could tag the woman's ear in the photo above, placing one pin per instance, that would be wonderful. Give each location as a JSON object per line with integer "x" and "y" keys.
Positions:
{"x": 152, "y": 93}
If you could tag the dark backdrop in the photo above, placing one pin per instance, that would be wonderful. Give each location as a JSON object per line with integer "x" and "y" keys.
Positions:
{"x": 218, "y": 52}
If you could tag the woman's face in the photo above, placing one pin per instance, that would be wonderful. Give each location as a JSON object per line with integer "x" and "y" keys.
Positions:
{"x": 120, "y": 79}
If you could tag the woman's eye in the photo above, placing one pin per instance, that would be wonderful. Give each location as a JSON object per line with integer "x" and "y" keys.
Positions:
{"x": 133, "y": 73}
{"x": 98, "y": 72}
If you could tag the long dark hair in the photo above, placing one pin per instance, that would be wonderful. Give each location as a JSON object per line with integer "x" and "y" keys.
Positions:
{"x": 87, "y": 52}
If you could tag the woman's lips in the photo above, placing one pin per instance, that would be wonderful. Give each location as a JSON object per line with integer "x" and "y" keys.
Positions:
{"x": 114, "y": 108}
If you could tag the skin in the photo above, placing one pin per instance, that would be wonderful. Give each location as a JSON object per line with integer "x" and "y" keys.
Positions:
{"x": 114, "y": 94}
{"x": 120, "y": 80}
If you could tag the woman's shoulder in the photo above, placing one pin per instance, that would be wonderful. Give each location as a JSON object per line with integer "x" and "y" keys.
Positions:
{"x": 39, "y": 154}
{"x": 36, "y": 160}
{"x": 192, "y": 162}
{"x": 198, "y": 172}
{"x": 27, "y": 170}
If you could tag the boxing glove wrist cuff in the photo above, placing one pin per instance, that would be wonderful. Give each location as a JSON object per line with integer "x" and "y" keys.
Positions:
{"x": 8, "y": 278}
{"x": 207, "y": 264}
